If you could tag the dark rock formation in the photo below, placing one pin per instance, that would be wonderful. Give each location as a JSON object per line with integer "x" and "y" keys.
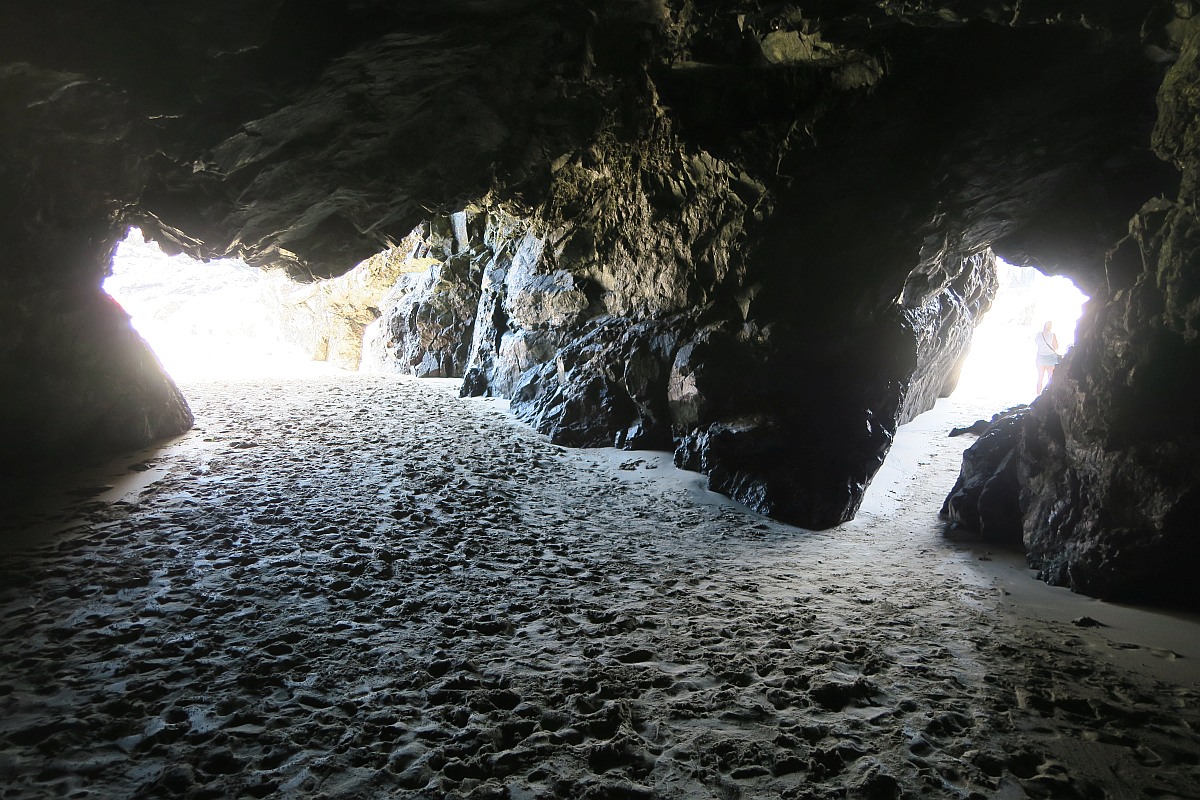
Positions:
{"x": 78, "y": 380}
{"x": 756, "y": 233}
{"x": 607, "y": 388}
{"x": 1110, "y": 479}
{"x": 1107, "y": 483}
{"x": 986, "y": 496}
{"x": 942, "y": 327}
{"x": 792, "y": 428}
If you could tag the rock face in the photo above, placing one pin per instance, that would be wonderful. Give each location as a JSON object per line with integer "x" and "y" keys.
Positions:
{"x": 757, "y": 234}
{"x": 424, "y": 326}
{"x": 78, "y": 379}
{"x": 986, "y": 496}
{"x": 1106, "y": 480}
{"x": 81, "y": 382}
{"x": 329, "y": 318}
{"x": 1111, "y": 484}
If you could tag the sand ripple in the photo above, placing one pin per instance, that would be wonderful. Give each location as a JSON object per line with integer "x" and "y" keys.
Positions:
{"x": 366, "y": 587}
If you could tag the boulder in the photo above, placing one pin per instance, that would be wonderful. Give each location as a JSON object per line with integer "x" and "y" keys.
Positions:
{"x": 986, "y": 497}
{"x": 606, "y": 389}
{"x": 106, "y": 391}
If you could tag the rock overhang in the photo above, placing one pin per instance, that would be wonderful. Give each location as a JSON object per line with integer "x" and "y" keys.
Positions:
{"x": 384, "y": 112}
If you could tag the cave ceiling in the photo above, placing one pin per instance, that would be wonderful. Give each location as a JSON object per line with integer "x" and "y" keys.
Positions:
{"x": 315, "y": 134}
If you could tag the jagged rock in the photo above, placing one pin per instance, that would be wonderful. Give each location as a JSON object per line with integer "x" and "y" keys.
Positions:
{"x": 608, "y": 388}
{"x": 986, "y": 496}
{"x": 1110, "y": 482}
{"x": 942, "y": 326}
{"x": 710, "y": 373}
{"x": 771, "y": 436}
{"x": 576, "y": 399}
{"x": 977, "y": 427}
{"x": 513, "y": 332}
{"x": 329, "y": 318}
{"x": 421, "y": 330}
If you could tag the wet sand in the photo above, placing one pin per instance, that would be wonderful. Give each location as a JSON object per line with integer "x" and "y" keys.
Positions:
{"x": 365, "y": 587}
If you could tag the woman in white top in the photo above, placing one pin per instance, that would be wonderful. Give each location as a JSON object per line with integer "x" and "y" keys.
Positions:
{"x": 1047, "y": 355}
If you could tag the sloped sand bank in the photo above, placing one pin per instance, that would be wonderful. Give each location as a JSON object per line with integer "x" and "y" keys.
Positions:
{"x": 366, "y": 587}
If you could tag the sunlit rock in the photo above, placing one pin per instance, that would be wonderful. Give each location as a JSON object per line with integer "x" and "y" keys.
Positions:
{"x": 329, "y": 318}
{"x": 424, "y": 319}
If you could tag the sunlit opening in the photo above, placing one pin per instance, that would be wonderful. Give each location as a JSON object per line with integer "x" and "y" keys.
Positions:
{"x": 207, "y": 320}
{"x": 1000, "y": 370}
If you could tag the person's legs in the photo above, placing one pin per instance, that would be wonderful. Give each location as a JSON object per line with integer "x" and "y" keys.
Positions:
{"x": 1041, "y": 378}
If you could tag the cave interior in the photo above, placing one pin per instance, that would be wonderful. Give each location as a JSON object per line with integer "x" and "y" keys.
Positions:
{"x": 650, "y": 225}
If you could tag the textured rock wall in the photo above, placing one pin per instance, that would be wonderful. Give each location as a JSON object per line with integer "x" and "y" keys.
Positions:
{"x": 1110, "y": 478}
{"x": 1103, "y": 470}
{"x": 424, "y": 328}
{"x": 329, "y": 318}
{"x": 986, "y": 496}
{"x": 942, "y": 327}
{"x": 584, "y": 308}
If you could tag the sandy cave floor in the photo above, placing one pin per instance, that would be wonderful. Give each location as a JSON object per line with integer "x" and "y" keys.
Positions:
{"x": 366, "y": 587}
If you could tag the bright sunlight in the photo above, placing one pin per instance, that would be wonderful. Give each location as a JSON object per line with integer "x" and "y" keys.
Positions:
{"x": 205, "y": 321}
{"x": 1000, "y": 367}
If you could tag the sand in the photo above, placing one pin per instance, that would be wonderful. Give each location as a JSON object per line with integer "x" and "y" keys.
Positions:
{"x": 363, "y": 586}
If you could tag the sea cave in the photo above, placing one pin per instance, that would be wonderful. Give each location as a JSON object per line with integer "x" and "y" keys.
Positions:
{"x": 565, "y": 408}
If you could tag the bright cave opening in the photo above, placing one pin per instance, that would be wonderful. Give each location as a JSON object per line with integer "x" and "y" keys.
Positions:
{"x": 215, "y": 320}
{"x": 998, "y": 373}
{"x": 999, "y": 370}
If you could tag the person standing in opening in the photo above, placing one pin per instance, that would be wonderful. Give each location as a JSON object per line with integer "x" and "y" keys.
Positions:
{"x": 1047, "y": 355}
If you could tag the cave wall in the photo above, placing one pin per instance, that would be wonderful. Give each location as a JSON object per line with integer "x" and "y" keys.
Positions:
{"x": 425, "y": 322}
{"x": 1098, "y": 480}
{"x": 78, "y": 380}
{"x": 330, "y": 318}
{"x": 754, "y": 233}
{"x": 1110, "y": 483}
{"x": 772, "y": 307}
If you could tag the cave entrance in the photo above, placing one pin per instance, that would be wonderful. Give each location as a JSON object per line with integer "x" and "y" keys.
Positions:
{"x": 999, "y": 370}
{"x": 212, "y": 320}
